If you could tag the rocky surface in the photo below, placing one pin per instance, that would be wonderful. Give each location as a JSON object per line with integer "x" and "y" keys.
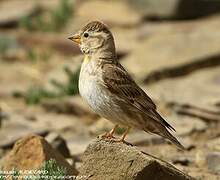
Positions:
{"x": 108, "y": 160}
{"x": 31, "y": 152}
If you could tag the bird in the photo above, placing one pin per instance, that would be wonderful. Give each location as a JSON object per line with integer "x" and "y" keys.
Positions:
{"x": 110, "y": 91}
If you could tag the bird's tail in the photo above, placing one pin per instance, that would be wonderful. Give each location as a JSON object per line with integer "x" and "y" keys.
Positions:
{"x": 159, "y": 126}
{"x": 162, "y": 131}
{"x": 166, "y": 134}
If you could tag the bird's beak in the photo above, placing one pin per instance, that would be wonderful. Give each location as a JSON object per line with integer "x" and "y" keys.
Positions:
{"x": 75, "y": 38}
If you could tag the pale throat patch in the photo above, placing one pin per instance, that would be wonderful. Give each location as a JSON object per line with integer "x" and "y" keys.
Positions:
{"x": 86, "y": 59}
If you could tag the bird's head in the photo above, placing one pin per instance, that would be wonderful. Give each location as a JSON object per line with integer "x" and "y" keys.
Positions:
{"x": 94, "y": 37}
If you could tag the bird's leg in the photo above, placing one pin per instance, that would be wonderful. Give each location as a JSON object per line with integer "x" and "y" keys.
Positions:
{"x": 122, "y": 138}
{"x": 110, "y": 134}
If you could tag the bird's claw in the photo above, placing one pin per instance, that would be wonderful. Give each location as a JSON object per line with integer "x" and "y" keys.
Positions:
{"x": 108, "y": 136}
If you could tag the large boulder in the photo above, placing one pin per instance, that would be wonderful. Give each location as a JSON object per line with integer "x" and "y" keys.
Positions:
{"x": 108, "y": 160}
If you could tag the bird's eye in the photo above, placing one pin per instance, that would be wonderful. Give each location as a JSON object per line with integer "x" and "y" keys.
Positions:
{"x": 86, "y": 35}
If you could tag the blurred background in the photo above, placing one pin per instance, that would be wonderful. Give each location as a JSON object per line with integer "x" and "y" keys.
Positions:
{"x": 171, "y": 48}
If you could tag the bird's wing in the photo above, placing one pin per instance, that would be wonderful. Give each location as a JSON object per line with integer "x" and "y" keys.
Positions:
{"x": 119, "y": 82}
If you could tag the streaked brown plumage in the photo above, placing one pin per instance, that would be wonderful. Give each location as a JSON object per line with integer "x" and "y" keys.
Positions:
{"x": 109, "y": 89}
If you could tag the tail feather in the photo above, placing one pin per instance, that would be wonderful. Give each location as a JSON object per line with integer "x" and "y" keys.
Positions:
{"x": 166, "y": 123}
{"x": 157, "y": 125}
{"x": 166, "y": 134}
{"x": 162, "y": 131}
{"x": 158, "y": 117}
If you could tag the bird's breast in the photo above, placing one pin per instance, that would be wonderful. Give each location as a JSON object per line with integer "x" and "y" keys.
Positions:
{"x": 93, "y": 94}
{"x": 90, "y": 88}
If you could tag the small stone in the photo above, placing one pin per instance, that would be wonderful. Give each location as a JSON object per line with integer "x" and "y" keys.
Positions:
{"x": 58, "y": 143}
{"x": 31, "y": 152}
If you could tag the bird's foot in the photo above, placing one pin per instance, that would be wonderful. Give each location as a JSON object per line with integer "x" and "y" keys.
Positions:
{"x": 122, "y": 138}
{"x": 108, "y": 136}
{"x": 118, "y": 140}
{"x": 111, "y": 138}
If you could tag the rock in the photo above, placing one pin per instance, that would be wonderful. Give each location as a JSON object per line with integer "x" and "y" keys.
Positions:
{"x": 30, "y": 152}
{"x": 107, "y": 160}
{"x": 58, "y": 143}
{"x": 11, "y": 12}
{"x": 175, "y": 9}
{"x": 213, "y": 162}
{"x": 105, "y": 13}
